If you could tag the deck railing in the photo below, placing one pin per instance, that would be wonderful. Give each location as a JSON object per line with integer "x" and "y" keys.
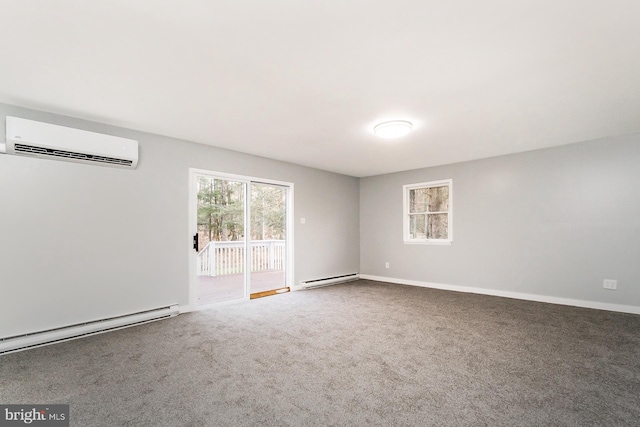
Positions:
{"x": 221, "y": 258}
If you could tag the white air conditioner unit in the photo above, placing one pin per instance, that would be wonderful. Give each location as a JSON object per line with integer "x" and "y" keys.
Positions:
{"x": 47, "y": 141}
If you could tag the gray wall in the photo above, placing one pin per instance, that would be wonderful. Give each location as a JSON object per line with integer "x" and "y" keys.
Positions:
{"x": 81, "y": 242}
{"x": 553, "y": 222}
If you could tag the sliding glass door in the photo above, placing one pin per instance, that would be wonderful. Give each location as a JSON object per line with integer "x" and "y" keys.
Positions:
{"x": 240, "y": 241}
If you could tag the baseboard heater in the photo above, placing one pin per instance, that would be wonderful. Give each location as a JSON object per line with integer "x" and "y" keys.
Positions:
{"x": 309, "y": 284}
{"x": 67, "y": 333}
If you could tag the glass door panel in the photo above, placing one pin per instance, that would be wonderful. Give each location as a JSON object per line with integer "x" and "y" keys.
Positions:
{"x": 268, "y": 238}
{"x": 221, "y": 240}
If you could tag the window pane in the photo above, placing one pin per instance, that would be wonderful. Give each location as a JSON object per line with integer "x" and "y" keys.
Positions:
{"x": 438, "y": 226}
{"x": 438, "y": 199}
{"x": 417, "y": 226}
{"x": 418, "y": 200}
{"x": 220, "y": 210}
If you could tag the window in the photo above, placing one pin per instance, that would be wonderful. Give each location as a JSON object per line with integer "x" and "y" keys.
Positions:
{"x": 427, "y": 212}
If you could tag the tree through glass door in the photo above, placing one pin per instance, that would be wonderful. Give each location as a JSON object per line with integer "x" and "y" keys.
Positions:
{"x": 221, "y": 240}
{"x": 268, "y": 239}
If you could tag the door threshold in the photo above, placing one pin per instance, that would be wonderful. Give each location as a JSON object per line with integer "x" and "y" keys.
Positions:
{"x": 269, "y": 293}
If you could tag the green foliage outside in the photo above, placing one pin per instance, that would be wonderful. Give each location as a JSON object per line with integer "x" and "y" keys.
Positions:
{"x": 221, "y": 211}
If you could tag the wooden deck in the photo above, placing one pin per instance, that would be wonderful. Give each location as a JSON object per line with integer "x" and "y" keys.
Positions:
{"x": 231, "y": 286}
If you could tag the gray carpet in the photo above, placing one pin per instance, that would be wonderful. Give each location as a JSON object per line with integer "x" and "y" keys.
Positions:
{"x": 363, "y": 353}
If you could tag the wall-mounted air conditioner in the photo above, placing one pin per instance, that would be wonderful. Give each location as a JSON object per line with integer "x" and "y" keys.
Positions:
{"x": 47, "y": 141}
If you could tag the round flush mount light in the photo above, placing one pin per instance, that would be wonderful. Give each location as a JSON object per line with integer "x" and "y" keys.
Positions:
{"x": 392, "y": 129}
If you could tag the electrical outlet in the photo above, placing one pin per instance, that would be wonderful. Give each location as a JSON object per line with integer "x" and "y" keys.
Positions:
{"x": 610, "y": 284}
{"x": 387, "y": 265}
{"x": 303, "y": 220}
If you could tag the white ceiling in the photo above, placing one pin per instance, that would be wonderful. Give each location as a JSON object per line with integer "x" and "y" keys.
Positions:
{"x": 305, "y": 80}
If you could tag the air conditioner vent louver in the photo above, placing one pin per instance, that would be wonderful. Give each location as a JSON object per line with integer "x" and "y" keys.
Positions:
{"x": 21, "y": 148}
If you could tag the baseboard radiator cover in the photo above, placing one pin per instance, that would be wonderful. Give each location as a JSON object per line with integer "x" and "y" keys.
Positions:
{"x": 317, "y": 283}
{"x": 67, "y": 333}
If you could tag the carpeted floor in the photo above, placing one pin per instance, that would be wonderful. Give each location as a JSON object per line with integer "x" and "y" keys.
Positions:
{"x": 363, "y": 353}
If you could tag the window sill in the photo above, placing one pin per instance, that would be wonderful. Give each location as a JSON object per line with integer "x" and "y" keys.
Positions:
{"x": 428, "y": 242}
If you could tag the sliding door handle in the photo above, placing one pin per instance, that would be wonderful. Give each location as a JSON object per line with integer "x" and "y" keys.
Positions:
{"x": 195, "y": 243}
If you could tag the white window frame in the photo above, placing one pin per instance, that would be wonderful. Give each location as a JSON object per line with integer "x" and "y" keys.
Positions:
{"x": 405, "y": 213}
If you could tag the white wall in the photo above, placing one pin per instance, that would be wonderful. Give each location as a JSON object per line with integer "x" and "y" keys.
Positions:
{"x": 81, "y": 242}
{"x": 553, "y": 222}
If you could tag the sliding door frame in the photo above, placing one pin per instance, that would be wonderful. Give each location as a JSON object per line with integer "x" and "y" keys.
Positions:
{"x": 194, "y": 173}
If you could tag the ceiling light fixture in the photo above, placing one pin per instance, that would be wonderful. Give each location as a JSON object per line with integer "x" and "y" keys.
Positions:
{"x": 392, "y": 129}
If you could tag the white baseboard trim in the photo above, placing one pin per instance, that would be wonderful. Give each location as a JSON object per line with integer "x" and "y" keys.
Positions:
{"x": 508, "y": 294}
